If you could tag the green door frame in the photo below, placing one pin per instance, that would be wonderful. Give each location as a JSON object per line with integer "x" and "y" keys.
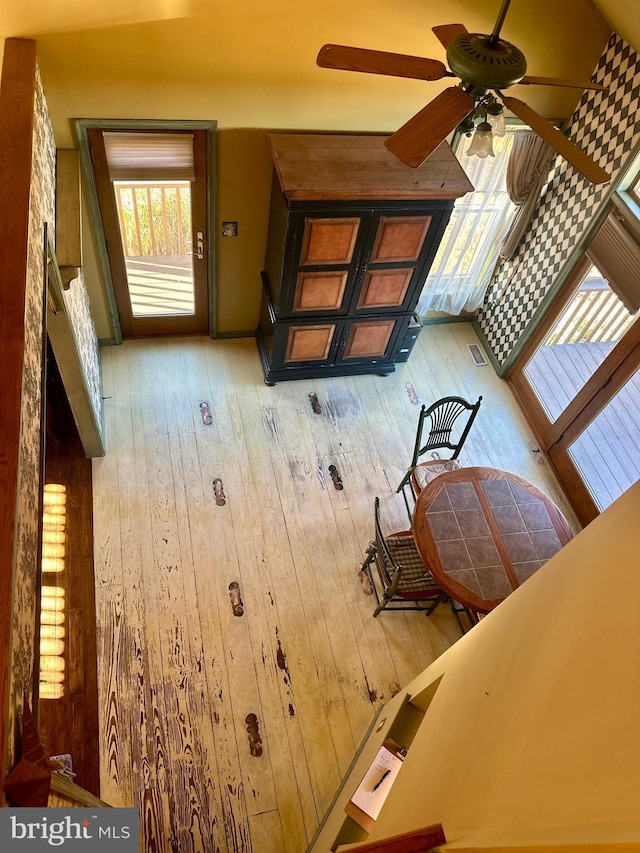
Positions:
{"x": 82, "y": 126}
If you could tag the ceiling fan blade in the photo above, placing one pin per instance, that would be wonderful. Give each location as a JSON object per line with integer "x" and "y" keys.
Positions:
{"x": 581, "y": 161}
{"x": 422, "y": 134}
{"x": 446, "y": 33}
{"x": 380, "y": 62}
{"x": 555, "y": 81}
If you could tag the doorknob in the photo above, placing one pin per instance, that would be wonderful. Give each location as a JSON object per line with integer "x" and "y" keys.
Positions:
{"x": 199, "y": 253}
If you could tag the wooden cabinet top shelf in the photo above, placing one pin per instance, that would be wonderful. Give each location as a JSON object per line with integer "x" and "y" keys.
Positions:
{"x": 325, "y": 167}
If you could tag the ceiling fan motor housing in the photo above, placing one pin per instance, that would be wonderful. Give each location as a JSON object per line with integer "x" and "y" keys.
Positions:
{"x": 485, "y": 62}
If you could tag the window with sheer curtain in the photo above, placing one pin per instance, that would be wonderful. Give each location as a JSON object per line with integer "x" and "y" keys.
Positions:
{"x": 462, "y": 268}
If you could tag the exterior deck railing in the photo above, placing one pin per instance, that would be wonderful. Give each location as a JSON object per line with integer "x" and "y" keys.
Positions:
{"x": 577, "y": 326}
{"x": 155, "y": 219}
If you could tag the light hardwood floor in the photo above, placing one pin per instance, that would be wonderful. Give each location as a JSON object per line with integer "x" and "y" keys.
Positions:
{"x": 178, "y": 672}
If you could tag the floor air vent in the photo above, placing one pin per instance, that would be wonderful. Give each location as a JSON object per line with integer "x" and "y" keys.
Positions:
{"x": 477, "y": 356}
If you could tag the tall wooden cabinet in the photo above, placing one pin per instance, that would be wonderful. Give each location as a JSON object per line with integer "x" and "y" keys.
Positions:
{"x": 352, "y": 235}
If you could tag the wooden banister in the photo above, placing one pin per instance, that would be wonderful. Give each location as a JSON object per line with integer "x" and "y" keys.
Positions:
{"x": 417, "y": 841}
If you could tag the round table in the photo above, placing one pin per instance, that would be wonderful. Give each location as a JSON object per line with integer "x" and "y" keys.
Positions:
{"x": 482, "y": 532}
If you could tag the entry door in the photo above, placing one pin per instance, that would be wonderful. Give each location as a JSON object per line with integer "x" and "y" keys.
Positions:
{"x": 152, "y": 191}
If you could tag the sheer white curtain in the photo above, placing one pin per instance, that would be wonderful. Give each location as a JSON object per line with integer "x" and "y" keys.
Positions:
{"x": 462, "y": 268}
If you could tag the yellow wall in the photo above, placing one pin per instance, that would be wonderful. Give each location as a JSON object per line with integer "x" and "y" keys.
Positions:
{"x": 535, "y": 722}
{"x": 250, "y": 65}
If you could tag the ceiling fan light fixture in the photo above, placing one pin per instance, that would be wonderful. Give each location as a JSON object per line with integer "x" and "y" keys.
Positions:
{"x": 482, "y": 142}
{"x": 485, "y": 65}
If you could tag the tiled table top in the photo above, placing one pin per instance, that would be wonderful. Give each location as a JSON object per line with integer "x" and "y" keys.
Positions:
{"x": 483, "y": 532}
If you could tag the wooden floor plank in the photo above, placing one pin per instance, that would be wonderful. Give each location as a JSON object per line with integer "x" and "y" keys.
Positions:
{"x": 106, "y": 510}
{"x": 378, "y": 670}
{"x": 266, "y": 826}
{"x": 259, "y": 602}
{"x": 308, "y": 687}
{"x": 341, "y": 661}
{"x": 116, "y": 781}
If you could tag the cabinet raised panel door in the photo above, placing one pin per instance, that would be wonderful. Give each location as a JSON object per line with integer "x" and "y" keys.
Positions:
{"x": 368, "y": 339}
{"x": 309, "y": 343}
{"x": 399, "y": 238}
{"x": 320, "y": 291}
{"x": 328, "y": 264}
{"x": 329, "y": 241}
{"x": 369, "y": 262}
{"x": 393, "y": 262}
{"x": 384, "y": 288}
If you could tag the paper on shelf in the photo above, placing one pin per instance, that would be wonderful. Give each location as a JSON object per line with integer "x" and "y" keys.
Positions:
{"x": 365, "y": 797}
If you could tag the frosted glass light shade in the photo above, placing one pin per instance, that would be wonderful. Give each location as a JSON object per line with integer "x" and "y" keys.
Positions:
{"x": 50, "y": 677}
{"x": 52, "y": 601}
{"x": 52, "y": 617}
{"x": 50, "y": 549}
{"x": 482, "y": 142}
{"x": 52, "y": 564}
{"x": 497, "y": 123}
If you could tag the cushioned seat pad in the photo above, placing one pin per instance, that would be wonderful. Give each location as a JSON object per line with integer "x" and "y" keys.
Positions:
{"x": 415, "y": 576}
{"x": 425, "y": 472}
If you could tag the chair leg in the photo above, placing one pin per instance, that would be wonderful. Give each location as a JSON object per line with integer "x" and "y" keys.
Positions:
{"x": 366, "y": 568}
{"x": 457, "y": 615}
{"x": 369, "y": 556}
{"x": 436, "y": 603}
{"x": 471, "y": 616}
{"x": 404, "y": 482}
{"x": 409, "y": 507}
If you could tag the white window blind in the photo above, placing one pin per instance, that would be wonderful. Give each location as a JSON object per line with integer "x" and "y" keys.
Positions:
{"x": 149, "y": 156}
{"x": 616, "y": 253}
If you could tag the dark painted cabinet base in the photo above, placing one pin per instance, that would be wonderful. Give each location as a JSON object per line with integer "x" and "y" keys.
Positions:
{"x": 275, "y": 374}
{"x": 311, "y": 347}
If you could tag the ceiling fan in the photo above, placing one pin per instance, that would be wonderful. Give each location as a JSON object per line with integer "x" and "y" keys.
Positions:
{"x": 485, "y": 64}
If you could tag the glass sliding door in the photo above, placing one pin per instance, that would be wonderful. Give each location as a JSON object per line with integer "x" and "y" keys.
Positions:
{"x": 607, "y": 452}
{"x": 585, "y": 333}
{"x": 578, "y": 382}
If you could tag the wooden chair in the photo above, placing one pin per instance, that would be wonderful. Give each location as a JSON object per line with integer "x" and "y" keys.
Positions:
{"x": 443, "y": 416}
{"x": 405, "y": 582}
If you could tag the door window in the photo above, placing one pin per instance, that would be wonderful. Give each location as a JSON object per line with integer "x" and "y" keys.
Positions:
{"x": 155, "y": 228}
